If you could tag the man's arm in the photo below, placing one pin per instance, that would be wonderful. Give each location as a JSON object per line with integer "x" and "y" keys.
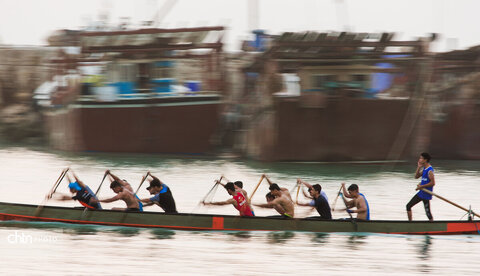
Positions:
{"x": 429, "y": 184}
{"x": 306, "y": 194}
{"x": 270, "y": 204}
{"x": 350, "y": 204}
{"x": 419, "y": 171}
{"x": 115, "y": 198}
{"x": 62, "y": 197}
{"x": 309, "y": 186}
{"x": 304, "y": 204}
{"x": 146, "y": 200}
{"x": 361, "y": 206}
{"x": 345, "y": 192}
{"x": 148, "y": 204}
{"x": 226, "y": 202}
{"x": 78, "y": 180}
{"x": 116, "y": 178}
{"x": 154, "y": 177}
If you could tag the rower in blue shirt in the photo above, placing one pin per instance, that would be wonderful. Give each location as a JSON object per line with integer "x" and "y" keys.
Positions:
{"x": 82, "y": 193}
{"x": 359, "y": 201}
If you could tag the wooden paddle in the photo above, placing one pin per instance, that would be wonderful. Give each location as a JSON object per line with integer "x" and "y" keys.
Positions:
{"x": 214, "y": 185}
{"x": 345, "y": 202}
{"x": 59, "y": 180}
{"x": 96, "y": 192}
{"x": 98, "y": 189}
{"x": 261, "y": 179}
{"x": 298, "y": 191}
{"x": 143, "y": 180}
{"x": 51, "y": 192}
{"x": 448, "y": 201}
{"x": 335, "y": 201}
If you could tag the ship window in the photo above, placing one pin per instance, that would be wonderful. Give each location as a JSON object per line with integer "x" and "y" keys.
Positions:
{"x": 323, "y": 81}
{"x": 162, "y": 69}
{"x": 359, "y": 81}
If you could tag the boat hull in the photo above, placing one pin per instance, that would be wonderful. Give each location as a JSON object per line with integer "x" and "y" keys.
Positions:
{"x": 25, "y": 212}
{"x": 169, "y": 125}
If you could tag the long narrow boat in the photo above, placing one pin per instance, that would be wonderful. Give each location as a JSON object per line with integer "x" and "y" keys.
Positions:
{"x": 26, "y": 212}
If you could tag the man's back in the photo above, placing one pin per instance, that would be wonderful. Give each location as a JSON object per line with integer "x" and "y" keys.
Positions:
{"x": 323, "y": 208}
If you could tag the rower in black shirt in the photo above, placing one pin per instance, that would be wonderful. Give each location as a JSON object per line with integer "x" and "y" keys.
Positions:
{"x": 162, "y": 196}
{"x": 320, "y": 203}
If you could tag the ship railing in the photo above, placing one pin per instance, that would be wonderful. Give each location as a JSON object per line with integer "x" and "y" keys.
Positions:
{"x": 147, "y": 95}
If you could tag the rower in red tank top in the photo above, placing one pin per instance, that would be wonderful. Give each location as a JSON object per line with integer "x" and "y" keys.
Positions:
{"x": 238, "y": 200}
{"x": 242, "y": 205}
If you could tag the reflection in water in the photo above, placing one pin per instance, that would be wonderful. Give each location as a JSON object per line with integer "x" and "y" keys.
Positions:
{"x": 241, "y": 234}
{"x": 280, "y": 237}
{"x": 162, "y": 234}
{"x": 424, "y": 249}
{"x": 355, "y": 240}
{"x": 82, "y": 230}
{"x": 32, "y": 224}
{"x": 126, "y": 231}
{"x": 320, "y": 238}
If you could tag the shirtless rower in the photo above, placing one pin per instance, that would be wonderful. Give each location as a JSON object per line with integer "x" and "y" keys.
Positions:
{"x": 238, "y": 200}
{"x": 359, "y": 202}
{"x": 269, "y": 197}
{"x": 284, "y": 191}
{"x": 124, "y": 192}
{"x": 281, "y": 202}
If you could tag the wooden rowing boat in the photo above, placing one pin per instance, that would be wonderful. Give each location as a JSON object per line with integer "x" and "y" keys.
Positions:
{"x": 26, "y": 212}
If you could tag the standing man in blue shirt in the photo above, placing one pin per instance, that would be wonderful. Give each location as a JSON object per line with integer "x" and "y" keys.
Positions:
{"x": 425, "y": 170}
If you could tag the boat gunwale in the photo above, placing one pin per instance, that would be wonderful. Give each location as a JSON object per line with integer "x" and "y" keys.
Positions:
{"x": 348, "y": 220}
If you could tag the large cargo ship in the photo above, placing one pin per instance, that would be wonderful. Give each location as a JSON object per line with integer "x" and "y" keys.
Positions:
{"x": 145, "y": 91}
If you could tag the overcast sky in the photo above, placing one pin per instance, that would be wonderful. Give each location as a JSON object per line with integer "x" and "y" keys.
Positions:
{"x": 29, "y": 22}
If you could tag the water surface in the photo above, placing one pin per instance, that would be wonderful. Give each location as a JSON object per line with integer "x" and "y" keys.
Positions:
{"x": 36, "y": 248}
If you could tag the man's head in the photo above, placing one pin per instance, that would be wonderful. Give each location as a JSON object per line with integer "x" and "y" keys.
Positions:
{"x": 239, "y": 184}
{"x": 74, "y": 187}
{"x": 353, "y": 190}
{"x": 155, "y": 186}
{"x": 269, "y": 197}
{"x": 424, "y": 158}
{"x": 275, "y": 190}
{"x": 230, "y": 187}
{"x": 116, "y": 187}
{"x": 315, "y": 190}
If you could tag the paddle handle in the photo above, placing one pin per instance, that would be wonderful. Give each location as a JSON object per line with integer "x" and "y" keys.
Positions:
{"x": 261, "y": 179}
{"x": 140, "y": 185}
{"x": 298, "y": 191}
{"x": 51, "y": 192}
{"x": 345, "y": 202}
{"x": 214, "y": 185}
{"x": 446, "y": 200}
{"x": 335, "y": 201}
{"x": 59, "y": 180}
{"x": 98, "y": 189}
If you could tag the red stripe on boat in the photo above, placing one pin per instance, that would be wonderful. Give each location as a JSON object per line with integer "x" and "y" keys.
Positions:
{"x": 463, "y": 227}
{"x": 217, "y": 223}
